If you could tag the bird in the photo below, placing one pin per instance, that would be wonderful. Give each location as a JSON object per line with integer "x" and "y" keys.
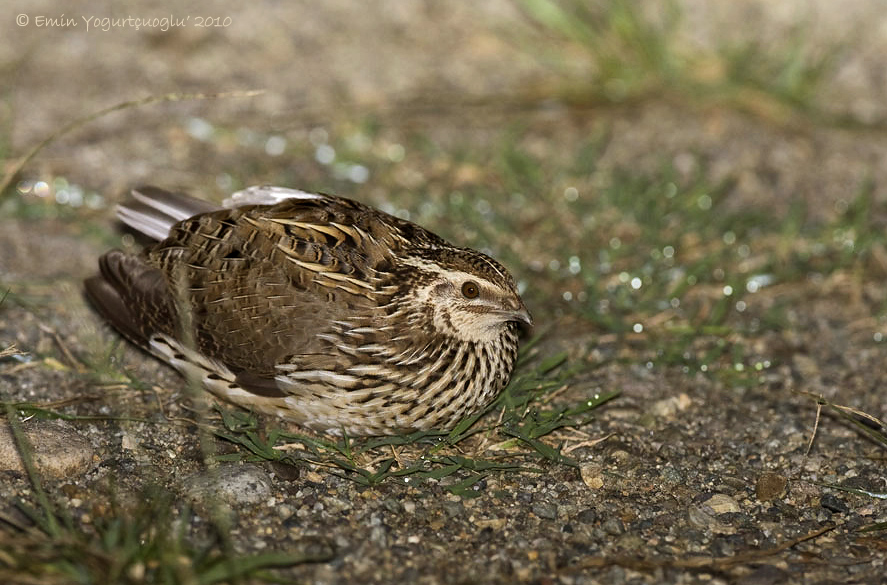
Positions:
{"x": 314, "y": 308}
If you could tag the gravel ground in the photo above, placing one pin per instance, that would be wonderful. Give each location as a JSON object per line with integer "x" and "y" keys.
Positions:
{"x": 682, "y": 479}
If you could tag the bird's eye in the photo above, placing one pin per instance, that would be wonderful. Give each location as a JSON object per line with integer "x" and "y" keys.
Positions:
{"x": 470, "y": 290}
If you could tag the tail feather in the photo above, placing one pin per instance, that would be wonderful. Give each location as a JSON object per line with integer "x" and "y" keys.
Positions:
{"x": 107, "y": 300}
{"x": 154, "y": 211}
{"x": 129, "y": 293}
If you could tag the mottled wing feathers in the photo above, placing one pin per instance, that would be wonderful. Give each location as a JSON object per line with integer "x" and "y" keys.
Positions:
{"x": 253, "y": 284}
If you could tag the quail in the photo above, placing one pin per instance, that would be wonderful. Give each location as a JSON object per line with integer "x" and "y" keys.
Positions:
{"x": 315, "y": 308}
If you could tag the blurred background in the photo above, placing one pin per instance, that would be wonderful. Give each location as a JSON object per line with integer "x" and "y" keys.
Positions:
{"x": 612, "y": 153}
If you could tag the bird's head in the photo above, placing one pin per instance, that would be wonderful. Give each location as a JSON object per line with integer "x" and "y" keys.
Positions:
{"x": 468, "y": 295}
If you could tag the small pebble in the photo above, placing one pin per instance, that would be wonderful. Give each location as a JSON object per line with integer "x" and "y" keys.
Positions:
{"x": 702, "y": 519}
{"x": 587, "y": 516}
{"x": 232, "y": 483}
{"x": 667, "y": 408}
{"x": 57, "y": 449}
{"x": 831, "y": 503}
{"x": 722, "y": 504}
{"x": 592, "y": 475}
{"x": 613, "y": 526}
{"x": 494, "y": 523}
{"x": 770, "y": 486}
{"x": 545, "y": 510}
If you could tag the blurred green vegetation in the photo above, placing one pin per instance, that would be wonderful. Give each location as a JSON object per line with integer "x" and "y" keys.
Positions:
{"x": 622, "y": 50}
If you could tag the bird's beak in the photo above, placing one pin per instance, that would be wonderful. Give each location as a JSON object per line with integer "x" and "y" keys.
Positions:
{"x": 517, "y": 311}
